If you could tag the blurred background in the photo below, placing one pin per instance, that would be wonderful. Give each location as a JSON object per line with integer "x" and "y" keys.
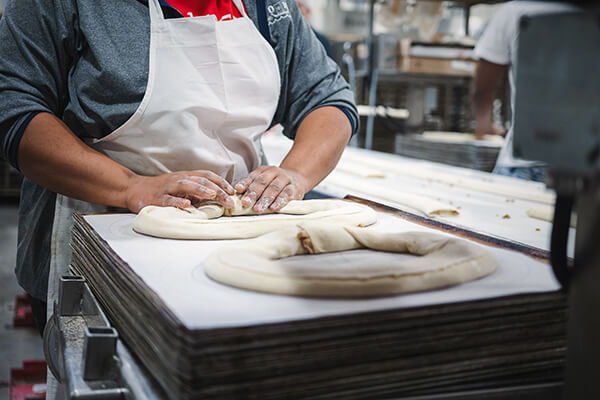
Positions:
{"x": 411, "y": 64}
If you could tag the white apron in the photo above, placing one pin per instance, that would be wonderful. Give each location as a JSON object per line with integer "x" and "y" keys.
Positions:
{"x": 212, "y": 90}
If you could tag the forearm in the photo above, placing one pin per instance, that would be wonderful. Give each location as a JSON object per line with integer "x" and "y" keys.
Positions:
{"x": 318, "y": 146}
{"x": 52, "y": 156}
{"x": 487, "y": 80}
{"x": 482, "y": 104}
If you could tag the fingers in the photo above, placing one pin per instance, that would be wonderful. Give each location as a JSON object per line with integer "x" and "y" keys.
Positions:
{"x": 216, "y": 179}
{"x": 287, "y": 194}
{"x": 217, "y": 192}
{"x": 265, "y": 188}
{"x": 271, "y": 192}
{"x": 261, "y": 179}
{"x": 178, "y": 202}
{"x": 498, "y": 130}
{"x": 178, "y": 189}
{"x": 243, "y": 185}
{"x": 198, "y": 188}
{"x": 269, "y": 187}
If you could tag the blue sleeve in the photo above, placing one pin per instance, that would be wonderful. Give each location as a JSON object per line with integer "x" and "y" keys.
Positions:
{"x": 353, "y": 123}
{"x": 13, "y": 145}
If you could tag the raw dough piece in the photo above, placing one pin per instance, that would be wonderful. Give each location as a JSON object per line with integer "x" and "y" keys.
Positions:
{"x": 203, "y": 222}
{"x": 255, "y": 264}
{"x": 424, "y": 204}
{"x": 518, "y": 190}
{"x": 546, "y": 213}
{"x": 382, "y": 111}
{"x": 457, "y": 137}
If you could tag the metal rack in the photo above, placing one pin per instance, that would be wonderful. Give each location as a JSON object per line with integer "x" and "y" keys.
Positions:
{"x": 86, "y": 355}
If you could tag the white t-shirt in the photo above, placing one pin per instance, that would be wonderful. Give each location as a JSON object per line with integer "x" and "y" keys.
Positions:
{"x": 498, "y": 45}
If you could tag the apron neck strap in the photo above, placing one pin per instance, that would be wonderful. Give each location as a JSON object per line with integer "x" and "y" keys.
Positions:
{"x": 156, "y": 14}
{"x": 240, "y": 6}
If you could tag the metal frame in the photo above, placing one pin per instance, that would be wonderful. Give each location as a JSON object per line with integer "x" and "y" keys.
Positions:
{"x": 84, "y": 352}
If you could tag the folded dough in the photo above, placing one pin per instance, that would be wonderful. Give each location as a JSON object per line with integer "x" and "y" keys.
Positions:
{"x": 425, "y": 204}
{"x": 256, "y": 264}
{"x": 212, "y": 221}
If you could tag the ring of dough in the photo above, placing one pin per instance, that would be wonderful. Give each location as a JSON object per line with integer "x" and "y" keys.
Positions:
{"x": 256, "y": 264}
{"x": 212, "y": 221}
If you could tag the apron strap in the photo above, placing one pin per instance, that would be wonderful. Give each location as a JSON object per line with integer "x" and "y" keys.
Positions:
{"x": 240, "y": 7}
{"x": 263, "y": 24}
{"x": 261, "y": 11}
{"x": 156, "y": 14}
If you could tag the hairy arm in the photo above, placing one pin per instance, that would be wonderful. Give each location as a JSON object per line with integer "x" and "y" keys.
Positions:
{"x": 52, "y": 156}
{"x": 487, "y": 80}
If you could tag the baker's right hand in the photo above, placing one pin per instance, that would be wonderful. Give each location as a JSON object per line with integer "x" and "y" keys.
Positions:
{"x": 177, "y": 189}
{"x": 483, "y": 129}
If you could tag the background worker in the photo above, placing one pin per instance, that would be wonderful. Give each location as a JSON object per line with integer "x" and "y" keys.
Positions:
{"x": 496, "y": 53}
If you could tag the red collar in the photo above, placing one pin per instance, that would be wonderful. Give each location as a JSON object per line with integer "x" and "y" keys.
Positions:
{"x": 222, "y": 9}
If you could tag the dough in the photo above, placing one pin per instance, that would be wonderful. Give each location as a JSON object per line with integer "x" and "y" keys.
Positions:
{"x": 212, "y": 221}
{"x": 256, "y": 264}
{"x": 505, "y": 190}
{"x": 457, "y": 137}
{"x": 546, "y": 213}
{"x": 424, "y": 204}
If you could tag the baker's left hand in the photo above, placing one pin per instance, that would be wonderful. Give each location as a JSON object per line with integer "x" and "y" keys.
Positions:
{"x": 271, "y": 187}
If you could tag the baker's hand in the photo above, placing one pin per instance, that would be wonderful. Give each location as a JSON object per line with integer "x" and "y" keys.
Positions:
{"x": 271, "y": 187}
{"x": 178, "y": 189}
{"x": 483, "y": 129}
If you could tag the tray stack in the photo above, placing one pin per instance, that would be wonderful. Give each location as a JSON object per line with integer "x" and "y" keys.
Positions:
{"x": 397, "y": 352}
{"x": 474, "y": 154}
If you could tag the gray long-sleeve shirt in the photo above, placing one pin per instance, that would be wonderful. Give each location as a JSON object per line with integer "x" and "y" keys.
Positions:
{"x": 87, "y": 63}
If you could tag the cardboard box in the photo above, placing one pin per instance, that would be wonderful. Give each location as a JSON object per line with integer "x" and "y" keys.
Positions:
{"x": 437, "y": 66}
{"x": 458, "y": 66}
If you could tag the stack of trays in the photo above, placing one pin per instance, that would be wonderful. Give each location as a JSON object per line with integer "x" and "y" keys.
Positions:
{"x": 384, "y": 348}
{"x": 474, "y": 154}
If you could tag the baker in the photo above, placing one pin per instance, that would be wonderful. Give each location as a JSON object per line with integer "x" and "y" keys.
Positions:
{"x": 132, "y": 103}
{"x": 496, "y": 52}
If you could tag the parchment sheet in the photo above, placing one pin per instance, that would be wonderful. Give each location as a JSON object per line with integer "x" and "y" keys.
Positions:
{"x": 173, "y": 270}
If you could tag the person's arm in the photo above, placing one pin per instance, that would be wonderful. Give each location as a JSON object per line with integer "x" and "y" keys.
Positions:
{"x": 52, "y": 156}
{"x": 317, "y": 148}
{"x": 37, "y": 43}
{"x": 487, "y": 80}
